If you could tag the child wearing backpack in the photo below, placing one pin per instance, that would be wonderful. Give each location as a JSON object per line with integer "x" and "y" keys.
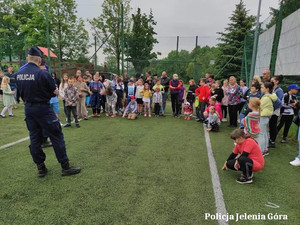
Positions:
{"x": 288, "y": 107}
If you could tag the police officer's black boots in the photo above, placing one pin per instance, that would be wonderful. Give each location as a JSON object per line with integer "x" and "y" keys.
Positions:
{"x": 68, "y": 170}
{"x": 42, "y": 170}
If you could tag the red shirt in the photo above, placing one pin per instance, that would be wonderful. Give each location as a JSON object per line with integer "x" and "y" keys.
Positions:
{"x": 250, "y": 146}
{"x": 203, "y": 93}
{"x": 218, "y": 109}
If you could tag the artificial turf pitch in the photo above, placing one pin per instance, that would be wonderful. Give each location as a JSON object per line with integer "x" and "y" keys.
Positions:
{"x": 147, "y": 171}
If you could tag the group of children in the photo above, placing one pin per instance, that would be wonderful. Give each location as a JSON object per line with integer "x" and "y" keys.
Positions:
{"x": 259, "y": 106}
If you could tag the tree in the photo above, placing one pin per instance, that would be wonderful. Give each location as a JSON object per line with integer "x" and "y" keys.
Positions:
{"x": 232, "y": 41}
{"x": 12, "y": 16}
{"x": 111, "y": 64}
{"x": 108, "y": 24}
{"x": 25, "y": 26}
{"x": 288, "y": 7}
{"x": 202, "y": 56}
{"x": 69, "y": 38}
{"x": 140, "y": 41}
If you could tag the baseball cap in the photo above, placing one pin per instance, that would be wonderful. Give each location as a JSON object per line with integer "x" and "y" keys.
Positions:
{"x": 34, "y": 51}
{"x": 132, "y": 97}
{"x": 293, "y": 86}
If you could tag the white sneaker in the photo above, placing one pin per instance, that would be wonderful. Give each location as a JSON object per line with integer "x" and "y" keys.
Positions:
{"x": 295, "y": 162}
{"x": 224, "y": 120}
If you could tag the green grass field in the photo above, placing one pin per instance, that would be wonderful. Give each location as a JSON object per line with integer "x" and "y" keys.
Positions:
{"x": 147, "y": 171}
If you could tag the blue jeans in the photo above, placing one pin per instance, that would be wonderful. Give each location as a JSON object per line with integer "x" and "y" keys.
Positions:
{"x": 164, "y": 101}
{"x": 41, "y": 117}
{"x": 263, "y": 136}
{"x": 242, "y": 116}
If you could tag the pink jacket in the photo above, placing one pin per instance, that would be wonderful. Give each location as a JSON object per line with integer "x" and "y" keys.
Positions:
{"x": 218, "y": 110}
{"x": 225, "y": 98}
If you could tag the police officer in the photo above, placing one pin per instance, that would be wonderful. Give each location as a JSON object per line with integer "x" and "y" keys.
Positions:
{"x": 36, "y": 87}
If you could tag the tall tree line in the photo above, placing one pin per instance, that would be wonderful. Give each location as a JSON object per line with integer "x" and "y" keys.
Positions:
{"x": 23, "y": 24}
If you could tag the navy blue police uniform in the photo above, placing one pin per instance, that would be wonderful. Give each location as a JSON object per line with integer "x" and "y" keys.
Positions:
{"x": 36, "y": 87}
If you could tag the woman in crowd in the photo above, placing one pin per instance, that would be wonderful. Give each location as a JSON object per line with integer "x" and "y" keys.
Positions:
{"x": 234, "y": 93}
{"x": 274, "y": 118}
{"x": 175, "y": 87}
{"x": 225, "y": 100}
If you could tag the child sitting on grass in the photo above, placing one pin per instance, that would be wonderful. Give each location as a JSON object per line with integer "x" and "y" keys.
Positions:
{"x": 187, "y": 110}
{"x": 213, "y": 102}
{"x": 8, "y": 97}
{"x": 71, "y": 97}
{"x": 246, "y": 157}
{"x": 131, "y": 109}
{"x": 251, "y": 121}
{"x": 146, "y": 93}
{"x": 111, "y": 99}
{"x": 212, "y": 121}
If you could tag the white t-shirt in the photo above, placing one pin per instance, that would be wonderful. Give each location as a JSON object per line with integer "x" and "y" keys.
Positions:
{"x": 131, "y": 90}
{"x": 138, "y": 89}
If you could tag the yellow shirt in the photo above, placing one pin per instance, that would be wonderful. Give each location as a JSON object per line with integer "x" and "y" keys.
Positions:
{"x": 146, "y": 93}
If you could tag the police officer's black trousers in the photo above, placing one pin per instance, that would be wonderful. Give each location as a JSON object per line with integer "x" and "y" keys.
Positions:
{"x": 39, "y": 117}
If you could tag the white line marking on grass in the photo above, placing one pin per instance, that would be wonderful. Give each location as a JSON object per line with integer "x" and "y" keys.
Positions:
{"x": 25, "y": 139}
{"x": 14, "y": 143}
{"x": 219, "y": 200}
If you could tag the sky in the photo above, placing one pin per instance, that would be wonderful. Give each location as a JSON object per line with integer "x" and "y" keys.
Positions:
{"x": 184, "y": 18}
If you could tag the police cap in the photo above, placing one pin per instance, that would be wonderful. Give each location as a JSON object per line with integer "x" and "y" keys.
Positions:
{"x": 34, "y": 51}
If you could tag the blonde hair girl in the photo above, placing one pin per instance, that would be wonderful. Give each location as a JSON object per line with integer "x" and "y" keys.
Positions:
{"x": 8, "y": 97}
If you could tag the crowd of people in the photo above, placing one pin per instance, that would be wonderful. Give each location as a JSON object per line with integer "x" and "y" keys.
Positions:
{"x": 255, "y": 109}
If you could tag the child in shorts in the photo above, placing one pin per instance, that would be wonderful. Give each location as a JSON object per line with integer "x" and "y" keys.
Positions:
{"x": 138, "y": 96}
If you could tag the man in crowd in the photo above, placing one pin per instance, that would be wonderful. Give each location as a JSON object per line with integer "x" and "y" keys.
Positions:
{"x": 266, "y": 76}
{"x": 12, "y": 84}
{"x": 164, "y": 81}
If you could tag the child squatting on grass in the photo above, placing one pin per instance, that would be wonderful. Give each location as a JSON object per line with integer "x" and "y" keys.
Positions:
{"x": 246, "y": 157}
{"x": 131, "y": 109}
{"x": 213, "y": 121}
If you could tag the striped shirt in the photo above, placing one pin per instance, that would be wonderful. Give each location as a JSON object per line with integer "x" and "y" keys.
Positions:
{"x": 251, "y": 123}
